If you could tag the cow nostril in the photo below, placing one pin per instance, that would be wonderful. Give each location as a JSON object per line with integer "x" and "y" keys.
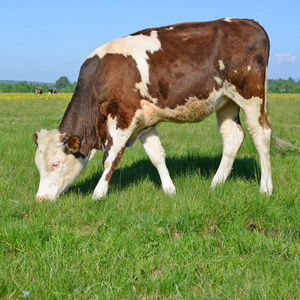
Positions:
{"x": 40, "y": 198}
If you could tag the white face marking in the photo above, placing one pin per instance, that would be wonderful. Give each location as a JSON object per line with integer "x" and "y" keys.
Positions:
{"x": 227, "y": 19}
{"x": 57, "y": 169}
{"x": 221, "y": 65}
{"x": 235, "y": 71}
{"x": 248, "y": 68}
{"x": 137, "y": 47}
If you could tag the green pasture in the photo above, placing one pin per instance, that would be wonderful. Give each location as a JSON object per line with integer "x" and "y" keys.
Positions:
{"x": 137, "y": 243}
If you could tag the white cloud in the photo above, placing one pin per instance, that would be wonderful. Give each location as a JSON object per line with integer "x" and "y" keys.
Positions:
{"x": 284, "y": 57}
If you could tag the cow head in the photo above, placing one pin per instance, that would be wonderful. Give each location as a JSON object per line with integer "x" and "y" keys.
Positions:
{"x": 57, "y": 162}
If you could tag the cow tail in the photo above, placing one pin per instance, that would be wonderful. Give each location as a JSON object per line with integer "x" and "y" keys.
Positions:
{"x": 265, "y": 100}
{"x": 266, "y": 92}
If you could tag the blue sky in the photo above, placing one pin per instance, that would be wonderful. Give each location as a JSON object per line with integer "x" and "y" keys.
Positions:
{"x": 44, "y": 40}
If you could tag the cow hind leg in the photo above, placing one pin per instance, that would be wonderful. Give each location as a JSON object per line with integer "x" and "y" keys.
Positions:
{"x": 156, "y": 153}
{"x": 232, "y": 135}
{"x": 260, "y": 131}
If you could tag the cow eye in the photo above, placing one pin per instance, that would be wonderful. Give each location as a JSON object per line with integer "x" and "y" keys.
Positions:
{"x": 55, "y": 165}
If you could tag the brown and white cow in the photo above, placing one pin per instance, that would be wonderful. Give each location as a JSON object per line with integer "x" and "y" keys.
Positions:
{"x": 38, "y": 90}
{"x": 178, "y": 73}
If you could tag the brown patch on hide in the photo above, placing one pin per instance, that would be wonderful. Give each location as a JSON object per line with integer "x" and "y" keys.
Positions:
{"x": 101, "y": 127}
{"x": 123, "y": 100}
{"x": 107, "y": 148}
{"x": 263, "y": 120}
{"x": 190, "y": 55}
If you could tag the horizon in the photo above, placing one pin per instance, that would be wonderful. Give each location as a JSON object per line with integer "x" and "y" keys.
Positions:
{"x": 43, "y": 41}
{"x": 46, "y": 83}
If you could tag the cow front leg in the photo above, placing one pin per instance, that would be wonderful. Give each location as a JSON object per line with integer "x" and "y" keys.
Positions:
{"x": 111, "y": 158}
{"x": 156, "y": 153}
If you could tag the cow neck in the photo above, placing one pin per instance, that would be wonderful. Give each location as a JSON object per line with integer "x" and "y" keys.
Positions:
{"x": 80, "y": 119}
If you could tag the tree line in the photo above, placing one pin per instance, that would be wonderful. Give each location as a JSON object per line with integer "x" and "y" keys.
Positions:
{"x": 283, "y": 86}
{"x": 63, "y": 85}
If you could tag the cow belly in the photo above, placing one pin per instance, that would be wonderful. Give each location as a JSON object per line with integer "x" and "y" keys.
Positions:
{"x": 194, "y": 110}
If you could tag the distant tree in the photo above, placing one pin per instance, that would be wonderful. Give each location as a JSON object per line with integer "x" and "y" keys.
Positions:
{"x": 283, "y": 86}
{"x": 45, "y": 88}
{"x": 73, "y": 86}
{"x": 62, "y": 82}
{"x": 7, "y": 88}
{"x": 23, "y": 87}
{"x": 297, "y": 87}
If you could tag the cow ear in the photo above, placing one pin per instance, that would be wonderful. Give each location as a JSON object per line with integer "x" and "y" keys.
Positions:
{"x": 35, "y": 137}
{"x": 73, "y": 144}
{"x": 62, "y": 137}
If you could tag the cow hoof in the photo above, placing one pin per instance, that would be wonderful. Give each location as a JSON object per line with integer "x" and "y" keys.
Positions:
{"x": 98, "y": 195}
{"x": 266, "y": 187}
{"x": 170, "y": 190}
{"x": 216, "y": 182}
{"x": 266, "y": 191}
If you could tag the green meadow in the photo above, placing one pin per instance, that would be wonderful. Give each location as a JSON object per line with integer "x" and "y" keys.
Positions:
{"x": 137, "y": 243}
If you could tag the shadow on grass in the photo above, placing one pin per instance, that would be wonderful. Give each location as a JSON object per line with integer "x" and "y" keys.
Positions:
{"x": 245, "y": 168}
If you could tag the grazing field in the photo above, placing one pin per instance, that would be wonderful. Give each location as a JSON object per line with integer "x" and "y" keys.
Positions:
{"x": 137, "y": 243}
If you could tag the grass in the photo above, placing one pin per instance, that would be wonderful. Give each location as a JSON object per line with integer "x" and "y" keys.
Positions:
{"x": 137, "y": 243}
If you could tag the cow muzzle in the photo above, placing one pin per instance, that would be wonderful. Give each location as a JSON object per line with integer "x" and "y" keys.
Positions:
{"x": 47, "y": 191}
{"x": 40, "y": 198}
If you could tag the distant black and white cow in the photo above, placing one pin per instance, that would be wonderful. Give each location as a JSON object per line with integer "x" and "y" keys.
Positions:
{"x": 179, "y": 73}
{"x": 52, "y": 91}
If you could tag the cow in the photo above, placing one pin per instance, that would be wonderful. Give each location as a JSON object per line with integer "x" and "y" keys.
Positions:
{"x": 38, "y": 90}
{"x": 52, "y": 91}
{"x": 178, "y": 73}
